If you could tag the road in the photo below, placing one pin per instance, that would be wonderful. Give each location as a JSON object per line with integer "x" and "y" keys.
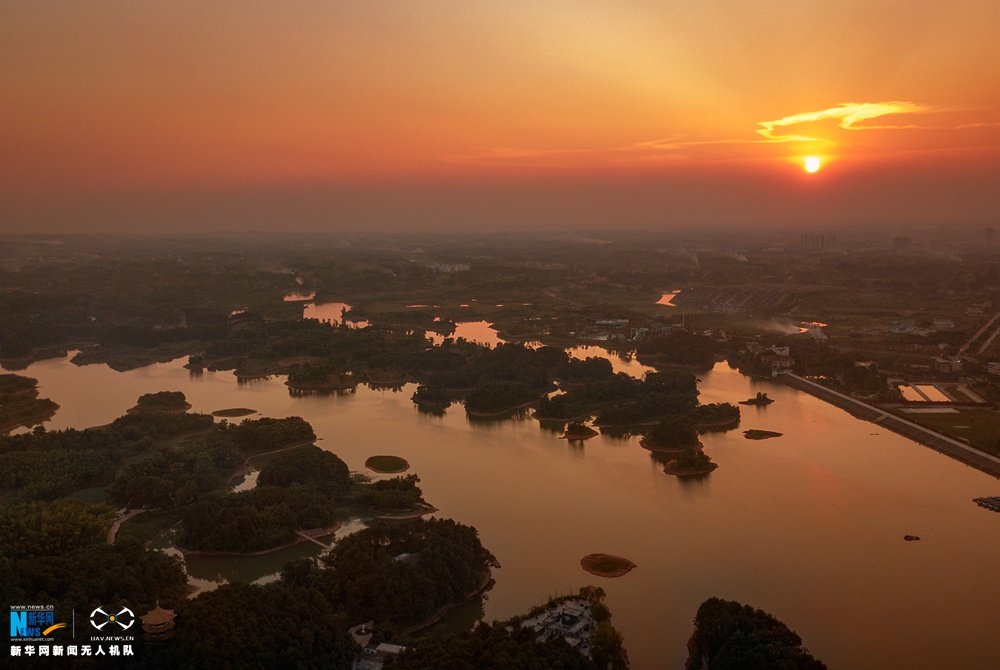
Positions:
{"x": 978, "y": 333}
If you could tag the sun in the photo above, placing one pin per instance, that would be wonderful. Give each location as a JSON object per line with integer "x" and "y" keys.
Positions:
{"x": 812, "y": 163}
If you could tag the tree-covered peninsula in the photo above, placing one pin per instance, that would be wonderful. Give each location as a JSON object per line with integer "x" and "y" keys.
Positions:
{"x": 20, "y": 404}
{"x": 731, "y": 636}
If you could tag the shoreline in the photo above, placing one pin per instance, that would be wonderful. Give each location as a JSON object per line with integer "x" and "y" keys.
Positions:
{"x": 670, "y": 470}
{"x": 324, "y": 386}
{"x": 484, "y": 586}
{"x": 943, "y": 444}
{"x": 644, "y": 443}
{"x": 244, "y": 469}
{"x": 146, "y": 410}
{"x": 31, "y": 422}
{"x": 719, "y": 424}
{"x": 493, "y": 415}
{"x": 423, "y": 508}
{"x": 579, "y": 437}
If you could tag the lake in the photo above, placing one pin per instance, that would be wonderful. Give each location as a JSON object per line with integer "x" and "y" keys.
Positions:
{"x": 808, "y": 526}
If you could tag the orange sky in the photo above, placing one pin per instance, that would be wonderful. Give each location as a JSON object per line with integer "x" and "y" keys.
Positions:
{"x": 337, "y": 115}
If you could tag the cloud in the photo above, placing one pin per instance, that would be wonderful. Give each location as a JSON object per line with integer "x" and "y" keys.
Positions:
{"x": 851, "y": 115}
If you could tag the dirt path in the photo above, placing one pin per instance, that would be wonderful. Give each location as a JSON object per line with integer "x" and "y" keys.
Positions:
{"x": 113, "y": 531}
{"x": 245, "y": 468}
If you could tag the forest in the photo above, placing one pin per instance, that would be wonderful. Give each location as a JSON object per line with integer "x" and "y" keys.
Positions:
{"x": 138, "y": 461}
{"x": 301, "y": 620}
{"x": 731, "y": 636}
{"x": 623, "y": 400}
{"x": 57, "y": 552}
{"x": 20, "y": 404}
{"x": 44, "y": 465}
{"x": 678, "y": 347}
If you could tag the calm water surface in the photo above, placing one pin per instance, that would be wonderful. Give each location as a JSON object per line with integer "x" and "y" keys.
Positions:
{"x": 480, "y": 332}
{"x": 330, "y": 312}
{"x": 808, "y": 526}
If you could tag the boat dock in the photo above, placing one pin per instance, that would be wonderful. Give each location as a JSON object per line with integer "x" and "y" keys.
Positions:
{"x": 992, "y": 503}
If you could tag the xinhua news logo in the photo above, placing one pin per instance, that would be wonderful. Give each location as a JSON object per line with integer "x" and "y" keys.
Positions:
{"x": 33, "y": 622}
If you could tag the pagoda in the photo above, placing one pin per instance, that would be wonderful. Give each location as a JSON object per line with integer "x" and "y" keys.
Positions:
{"x": 158, "y": 623}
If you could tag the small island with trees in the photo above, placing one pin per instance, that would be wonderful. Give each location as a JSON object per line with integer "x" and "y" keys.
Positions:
{"x": 670, "y": 435}
{"x": 606, "y": 565}
{"x": 690, "y": 462}
{"x": 234, "y": 412}
{"x": 387, "y": 464}
{"x": 757, "y": 434}
{"x": 578, "y": 431}
{"x": 164, "y": 401}
{"x": 759, "y": 400}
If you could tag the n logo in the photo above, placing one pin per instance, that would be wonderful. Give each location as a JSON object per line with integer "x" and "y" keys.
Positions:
{"x": 18, "y": 624}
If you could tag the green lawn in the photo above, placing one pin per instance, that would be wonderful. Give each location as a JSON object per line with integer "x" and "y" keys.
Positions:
{"x": 387, "y": 464}
{"x": 980, "y": 426}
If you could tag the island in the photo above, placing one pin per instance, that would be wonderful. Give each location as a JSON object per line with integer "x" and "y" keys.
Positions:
{"x": 234, "y": 412}
{"x": 606, "y": 565}
{"x": 387, "y": 464}
{"x": 431, "y": 398}
{"x": 578, "y": 431}
{"x": 164, "y": 402}
{"x": 690, "y": 462}
{"x": 756, "y": 434}
{"x": 760, "y": 399}
{"x": 672, "y": 435}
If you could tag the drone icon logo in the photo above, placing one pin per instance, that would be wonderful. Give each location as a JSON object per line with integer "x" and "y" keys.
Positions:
{"x": 123, "y": 619}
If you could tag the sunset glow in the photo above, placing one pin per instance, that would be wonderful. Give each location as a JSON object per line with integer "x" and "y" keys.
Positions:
{"x": 441, "y": 108}
{"x": 812, "y": 163}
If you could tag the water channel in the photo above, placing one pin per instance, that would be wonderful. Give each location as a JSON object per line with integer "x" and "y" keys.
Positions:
{"x": 808, "y": 526}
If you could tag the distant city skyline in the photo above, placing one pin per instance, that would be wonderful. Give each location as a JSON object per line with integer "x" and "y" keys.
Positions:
{"x": 176, "y": 116}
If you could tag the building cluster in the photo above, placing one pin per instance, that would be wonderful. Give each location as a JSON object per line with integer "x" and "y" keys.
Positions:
{"x": 906, "y": 327}
{"x": 570, "y": 619}
{"x": 374, "y": 654}
{"x": 776, "y": 357}
{"x": 618, "y": 330}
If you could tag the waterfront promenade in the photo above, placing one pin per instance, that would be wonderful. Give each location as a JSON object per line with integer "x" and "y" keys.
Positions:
{"x": 862, "y": 410}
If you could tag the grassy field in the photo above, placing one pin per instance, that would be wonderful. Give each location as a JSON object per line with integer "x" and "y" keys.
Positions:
{"x": 234, "y": 412}
{"x": 145, "y": 526}
{"x": 980, "y": 426}
{"x": 90, "y": 496}
{"x": 387, "y": 464}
